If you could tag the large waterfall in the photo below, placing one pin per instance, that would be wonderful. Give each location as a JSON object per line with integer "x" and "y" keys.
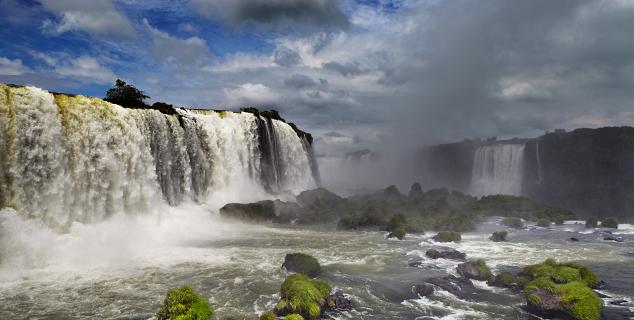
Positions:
{"x": 66, "y": 159}
{"x": 498, "y": 169}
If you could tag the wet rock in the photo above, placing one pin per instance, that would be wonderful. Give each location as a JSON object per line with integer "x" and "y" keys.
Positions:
{"x": 574, "y": 239}
{"x": 613, "y": 238}
{"x": 505, "y": 280}
{"x": 546, "y": 304}
{"x": 302, "y": 263}
{"x": 474, "y": 269}
{"x": 499, "y": 236}
{"x": 320, "y": 198}
{"x": 445, "y": 254}
{"x": 447, "y": 236}
{"x": 263, "y": 211}
{"x": 423, "y": 290}
{"x": 618, "y": 302}
{"x": 460, "y": 287}
{"x": 337, "y": 301}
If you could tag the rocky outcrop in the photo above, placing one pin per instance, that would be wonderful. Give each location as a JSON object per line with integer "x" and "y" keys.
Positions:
{"x": 460, "y": 287}
{"x": 262, "y": 211}
{"x": 474, "y": 269}
{"x": 302, "y": 263}
{"x": 499, "y": 236}
{"x": 445, "y": 254}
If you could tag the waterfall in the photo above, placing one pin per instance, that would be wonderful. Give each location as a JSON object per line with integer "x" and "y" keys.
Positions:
{"x": 539, "y": 163}
{"x": 66, "y": 159}
{"x": 498, "y": 169}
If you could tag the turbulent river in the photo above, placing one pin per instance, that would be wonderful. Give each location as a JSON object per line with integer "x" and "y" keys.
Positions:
{"x": 122, "y": 267}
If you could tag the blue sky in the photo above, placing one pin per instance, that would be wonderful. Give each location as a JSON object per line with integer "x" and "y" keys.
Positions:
{"x": 358, "y": 74}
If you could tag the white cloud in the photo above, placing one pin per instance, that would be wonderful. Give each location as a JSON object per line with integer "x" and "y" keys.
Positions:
{"x": 255, "y": 94}
{"x": 10, "y": 67}
{"x": 239, "y": 62}
{"x": 192, "y": 51}
{"x": 85, "y": 68}
{"x": 99, "y": 17}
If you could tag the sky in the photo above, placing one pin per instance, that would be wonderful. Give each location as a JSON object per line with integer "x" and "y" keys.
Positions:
{"x": 377, "y": 74}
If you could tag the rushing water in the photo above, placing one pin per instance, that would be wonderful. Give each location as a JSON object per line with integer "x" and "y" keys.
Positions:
{"x": 122, "y": 267}
{"x": 498, "y": 169}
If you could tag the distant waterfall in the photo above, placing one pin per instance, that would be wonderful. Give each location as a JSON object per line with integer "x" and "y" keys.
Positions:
{"x": 539, "y": 163}
{"x": 498, "y": 169}
{"x": 74, "y": 158}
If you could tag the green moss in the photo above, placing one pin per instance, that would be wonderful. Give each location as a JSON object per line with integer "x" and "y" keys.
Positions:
{"x": 610, "y": 223}
{"x": 562, "y": 272}
{"x": 499, "y": 235}
{"x": 398, "y": 233}
{"x": 302, "y": 263}
{"x": 302, "y": 295}
{"x": 483, "y": 269}
{"x": 269, "y": 315}
{"x": 580, "y": 300}
{"x": 592, "y": 222}
{"x": 565, "y": 274}
{"x": 545, "y": 223}
{"x": 504, "y": 280}
{"x": 184, "y": 304}
{"x": 447, "y": 236}
{"x": 293, "y": 316}
{"x": 513, "y": 222}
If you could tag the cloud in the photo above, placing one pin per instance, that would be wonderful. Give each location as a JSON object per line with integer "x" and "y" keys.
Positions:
{"x": 252, "y": 94}
{"x": 95, "y": 17}
{"x": 85, "y": 68}
{"x": 192, "y": 51}
{"x": 347, "y": 69}
{"x": 299, "y": 81}
{"x": 286, "y": 57}
{"x": 10, "y": 67}
{"x": 275, "y": 13}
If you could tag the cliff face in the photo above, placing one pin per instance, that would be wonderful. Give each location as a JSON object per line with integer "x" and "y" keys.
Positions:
{"x": 588, "y": 170}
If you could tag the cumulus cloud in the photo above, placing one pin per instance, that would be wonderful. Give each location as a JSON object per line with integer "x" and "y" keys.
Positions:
{"x": 252, "y": 94}
{"x": 299, "y": 81}
{"x": 286, "y": 57}
{"x": 275, "y": 13}
{"x": 96, "y": 17}
{"x": 184, "y": 52}
{"x": 85, "y": 68}
{"x": 14, "y": 67}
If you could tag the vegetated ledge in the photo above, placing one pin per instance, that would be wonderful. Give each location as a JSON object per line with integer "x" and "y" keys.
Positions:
{"x": 170, "y": 109}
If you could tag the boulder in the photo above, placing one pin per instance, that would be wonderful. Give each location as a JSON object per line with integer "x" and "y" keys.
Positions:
{"x": 504, "y": 280}
{"x": 613, "y": 238}
{"x": 574, "y": 239}
{"x": 447, "y": 236}
{"x": 303, "y": 296}
{"x": 445, "y": 254}
{"x": 499, "y": 236}
{"x": 262, "y": 211}
{"x": 460, "y": 287}
{"x": 302, "y": 263}
{"x": 398, "y": 233}
{"x": 320, "y": 198}
{"x": 337, "y": 301}
{"x": 423, "y": 290}
{"x": 474, "y": 269}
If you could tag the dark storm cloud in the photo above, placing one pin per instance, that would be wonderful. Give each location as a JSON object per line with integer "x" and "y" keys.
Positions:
{"x": 299, "y": 81}
{"x": 275, "y": 13}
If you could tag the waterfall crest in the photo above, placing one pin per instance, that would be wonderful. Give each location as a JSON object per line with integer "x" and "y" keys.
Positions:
{"x": 498, "y": 169}
{"x": 66, "y": 159}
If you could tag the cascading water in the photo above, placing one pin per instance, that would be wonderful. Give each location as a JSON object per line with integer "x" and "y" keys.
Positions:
{"x": 66, "y": 159}
{"x": 498, "y": 169}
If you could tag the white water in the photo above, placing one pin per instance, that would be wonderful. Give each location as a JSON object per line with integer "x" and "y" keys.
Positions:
{"x": 498, "y": 169}
{"x": 66, "y": 159}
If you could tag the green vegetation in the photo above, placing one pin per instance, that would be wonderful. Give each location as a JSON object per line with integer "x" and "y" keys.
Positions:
{"x": 610, "y": 223}
{"x": 504, "y": 280}
{"x": 447, "y": 236}
{"x": 592, "y": 222}
{"x": 397, "y": 226}
{"x": 513, "y": 222}
{"x": 483, "y": 270}
{"x": 184, "y": 304}
{"x": 302, "y": 263}
{"x": 269, "y": 315}
{"x": 126, "y": 95}
{"x": 398, "y": 233}
{"x": 570, "y": 283}
{"x": 499, "y": 235}
{"x": 293, "y": 316}
{"x": 303, "y": 296}
{"x": 545, "y": 223}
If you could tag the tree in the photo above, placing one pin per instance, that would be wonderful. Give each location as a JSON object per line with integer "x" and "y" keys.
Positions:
{"x": 126, "y": 95}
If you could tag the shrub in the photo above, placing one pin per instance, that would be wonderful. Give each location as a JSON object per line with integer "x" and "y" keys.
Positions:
{"x": 447, "y": 236}
{"x": 543, "y": 223}
{"x": 269, "y": 315}
{"x": 513, "y": 222}
{"x": 610, "y": 223}
{"x": 126, "y": 95}
{"x": 184, "y": 304}
{"x": 592, "y": 222}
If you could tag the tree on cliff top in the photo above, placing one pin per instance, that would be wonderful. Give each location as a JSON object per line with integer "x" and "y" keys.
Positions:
{"x": 126, "y": 95}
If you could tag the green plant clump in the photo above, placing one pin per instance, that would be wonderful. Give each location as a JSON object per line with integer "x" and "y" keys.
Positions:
{"x": 499, "y": 235}
{"x": 303, "y": 296}
{"x": 293, "y": 316}
{"x": 302, "y": 263}
{"x": 544, "y": 223}
{"x": 269, "y": 315}
{"x": 592, "y": 222}
{"x": 513, "y": 222}
{"x": 184, "y": 304}
{"x": 483, "y": 269}
{"x": 610, "y": 223}
{"x": 398, "y": 233}
{"x": 504, "y": 280}
{"x": 447, "y": 236}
